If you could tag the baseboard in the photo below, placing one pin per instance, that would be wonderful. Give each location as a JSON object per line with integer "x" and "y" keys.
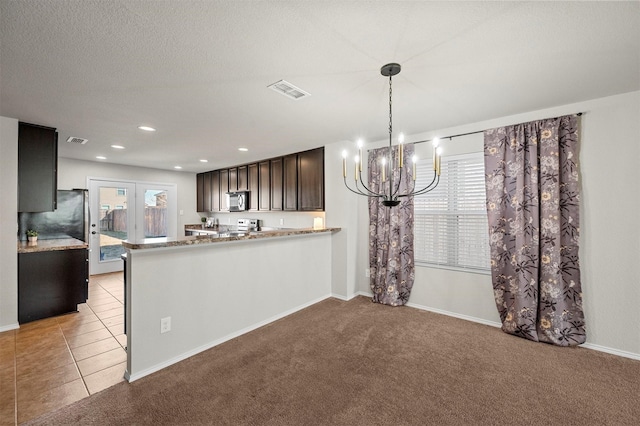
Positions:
{"x": 611, "y": 351}
{"x": 455, "y": 315}
{"x": 599, "y": 348}
{"x": 346, "y": 298}
{"x": 9, "y": 327}
{"x": 341, "y": 297}
{"x": 133, "y": 377}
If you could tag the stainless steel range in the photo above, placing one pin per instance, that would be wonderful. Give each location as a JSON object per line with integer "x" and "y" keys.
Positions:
{"x": 248, "y": 225}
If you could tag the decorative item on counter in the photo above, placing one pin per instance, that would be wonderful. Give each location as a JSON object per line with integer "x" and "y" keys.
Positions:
{"x": 318, "y": 223}
{"x": 32, "y": 235}
{"x": 204, "y": 221}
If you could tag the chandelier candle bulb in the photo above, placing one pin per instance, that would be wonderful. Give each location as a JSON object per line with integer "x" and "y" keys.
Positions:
{"x": 435, "y": 142}
{"x": 438, "y": 158}
{"x": 401, "y": 150}
{"x": 413, "y": 169}
{"x": 356, "y": 168}
{"x": 344, "y": 164}
{"x": 360, "y": 143}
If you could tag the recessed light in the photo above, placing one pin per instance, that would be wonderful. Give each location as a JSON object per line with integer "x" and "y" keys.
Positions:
{"x": 243, "y": 149}
{"x": 100, "y": 157}
{"x": 117, "y": 146}
{"x": 204, "y": 161}
{"x": 177, "y": 167}
{"x": 147, "y": 128}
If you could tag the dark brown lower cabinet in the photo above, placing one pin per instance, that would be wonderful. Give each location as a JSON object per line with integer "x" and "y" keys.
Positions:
{"x": 51, "y": 283}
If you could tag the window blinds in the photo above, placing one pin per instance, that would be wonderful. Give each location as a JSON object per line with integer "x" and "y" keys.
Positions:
{"x": 450, "y": 228}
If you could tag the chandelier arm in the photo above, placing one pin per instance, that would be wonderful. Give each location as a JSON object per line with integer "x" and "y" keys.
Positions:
{"x": 395, "y": 193}
{"x": 357, "y": 192}
{"x": 366, "y": 187}
{"x": 369, "y": 193}
{"x": 429, "y": 187}
{"x": 410, "y": 193}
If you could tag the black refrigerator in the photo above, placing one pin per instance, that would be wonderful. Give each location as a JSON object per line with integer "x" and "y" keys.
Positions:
{"x": 69, "y": 220}
{"x": 53, "y": 275}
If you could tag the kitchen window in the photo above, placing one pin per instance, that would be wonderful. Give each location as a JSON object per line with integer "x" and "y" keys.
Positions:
{"x": 450, "y": 229}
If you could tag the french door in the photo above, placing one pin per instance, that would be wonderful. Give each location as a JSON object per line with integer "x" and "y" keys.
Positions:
{"x": 112, "y": 219}
{"x": 125, "y": 210}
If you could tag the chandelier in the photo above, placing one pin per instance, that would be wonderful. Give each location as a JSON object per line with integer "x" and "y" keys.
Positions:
{"x": 390, "y": 197}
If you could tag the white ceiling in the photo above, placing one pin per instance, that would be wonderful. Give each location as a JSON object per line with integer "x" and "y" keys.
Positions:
{"x": 198, "y": 71}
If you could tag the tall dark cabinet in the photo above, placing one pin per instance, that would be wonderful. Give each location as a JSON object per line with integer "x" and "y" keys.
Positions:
{"x": 37, "y": 168}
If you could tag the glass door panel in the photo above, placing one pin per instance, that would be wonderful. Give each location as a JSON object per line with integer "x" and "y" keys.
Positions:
{"x": 155, "y": 213}
{"x": 112, "y": 221}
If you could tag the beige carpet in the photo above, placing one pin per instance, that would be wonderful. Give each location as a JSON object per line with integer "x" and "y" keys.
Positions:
{"x": 359, "y": 363}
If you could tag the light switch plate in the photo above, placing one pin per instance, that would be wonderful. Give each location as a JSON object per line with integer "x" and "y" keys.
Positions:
{"x": 165, "y": 325}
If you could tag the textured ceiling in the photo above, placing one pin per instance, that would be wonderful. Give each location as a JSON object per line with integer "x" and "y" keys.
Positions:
{"x": 198, "y": 71}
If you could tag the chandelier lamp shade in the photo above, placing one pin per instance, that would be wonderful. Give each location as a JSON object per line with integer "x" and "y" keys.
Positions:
{"x": 390, "y": 194}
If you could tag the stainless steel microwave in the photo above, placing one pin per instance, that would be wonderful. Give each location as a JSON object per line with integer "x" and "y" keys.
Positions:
{"x": 238, "y": 201}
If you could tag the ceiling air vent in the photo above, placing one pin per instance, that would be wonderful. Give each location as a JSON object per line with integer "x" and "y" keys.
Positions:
{"x": 79, "y": 141}
{"x": 289, "y": 90}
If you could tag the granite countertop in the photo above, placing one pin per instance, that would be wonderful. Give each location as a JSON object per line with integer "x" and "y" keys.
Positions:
{"x": 51, "y": 245}
{"x": 152, "y": 243}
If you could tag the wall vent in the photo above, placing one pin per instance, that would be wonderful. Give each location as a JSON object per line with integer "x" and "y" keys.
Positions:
{"x": 79, "y": 141}
{"x": 289, "y": 90}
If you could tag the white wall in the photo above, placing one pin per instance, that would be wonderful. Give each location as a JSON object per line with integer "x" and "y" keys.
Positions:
{"x": 214, "y": 292}
{"x": 73, "y": 174}
{"x": 610, "y": 237}
{"x": 8, "y": 223}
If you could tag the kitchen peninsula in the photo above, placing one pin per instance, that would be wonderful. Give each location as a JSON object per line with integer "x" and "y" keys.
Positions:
{"x": 208, "y": 289}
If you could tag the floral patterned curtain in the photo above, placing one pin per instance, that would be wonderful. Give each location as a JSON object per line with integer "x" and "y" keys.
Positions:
{"x": 391, "y": 231}
{"x": 533, "y": 204}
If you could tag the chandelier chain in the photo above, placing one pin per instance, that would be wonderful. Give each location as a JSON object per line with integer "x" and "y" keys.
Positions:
{"x": 390, "y": 113}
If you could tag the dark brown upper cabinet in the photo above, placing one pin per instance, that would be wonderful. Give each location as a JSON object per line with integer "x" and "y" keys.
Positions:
{"x": 264, "y": 193}
{"x": 233, "y": 179}
{"x": 253, "y": 185}
{"x": 200, "y": 189}
{"x": 311, "y": 180}
{"x": 243, "y": 178}
{"x": 37, "y": 168}
{"x": 276, "y": 184}
{"x": 290, "y": 182}
{"x": 224, "y": 188}
{"x": 215, "y": 191}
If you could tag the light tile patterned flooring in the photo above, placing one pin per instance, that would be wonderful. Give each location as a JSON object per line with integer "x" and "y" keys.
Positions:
{"x": 50, "y": 363}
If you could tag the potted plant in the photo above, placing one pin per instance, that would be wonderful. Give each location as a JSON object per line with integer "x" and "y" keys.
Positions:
{"x": 32, "y": 235}
{"x": 203, "y": 220}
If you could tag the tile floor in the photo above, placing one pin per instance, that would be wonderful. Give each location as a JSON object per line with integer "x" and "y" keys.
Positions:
{"x": 50, "y": 363}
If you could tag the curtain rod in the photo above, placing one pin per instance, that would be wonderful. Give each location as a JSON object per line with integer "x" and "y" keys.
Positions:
{"x": 465, "y": 134}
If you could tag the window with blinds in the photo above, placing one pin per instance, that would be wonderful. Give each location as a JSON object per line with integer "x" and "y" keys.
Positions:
{"x": 450, "y": 228}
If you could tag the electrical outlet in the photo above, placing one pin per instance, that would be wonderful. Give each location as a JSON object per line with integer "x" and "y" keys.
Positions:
{"x": 367, "y": 273}
{"x": 165, "y": 325}
{"x": 281, "y": 221}
{"x": 181, "y": 212}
